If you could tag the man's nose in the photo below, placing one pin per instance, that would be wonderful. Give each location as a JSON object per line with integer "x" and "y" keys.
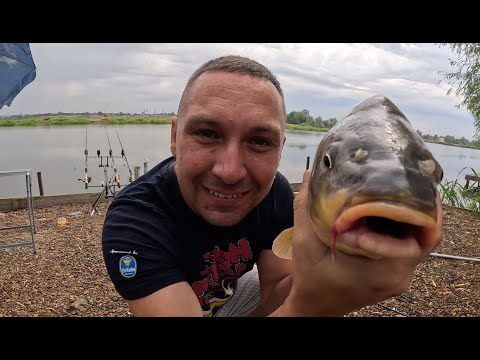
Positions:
{"x": 229, "y": 164}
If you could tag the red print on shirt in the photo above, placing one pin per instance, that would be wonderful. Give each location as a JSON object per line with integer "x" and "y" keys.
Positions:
{"x": 221, "y": 266}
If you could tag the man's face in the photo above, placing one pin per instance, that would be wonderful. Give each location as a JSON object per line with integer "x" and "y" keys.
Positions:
{"x": 227, "y": 141}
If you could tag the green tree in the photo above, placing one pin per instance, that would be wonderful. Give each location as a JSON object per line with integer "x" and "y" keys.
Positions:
{"x": 450, "y": 139}
{"x": 300, "y": 117}
{"x": 466, "y": 78}
{"x": 330, "y": 122}
{"x": 319, "y": 122}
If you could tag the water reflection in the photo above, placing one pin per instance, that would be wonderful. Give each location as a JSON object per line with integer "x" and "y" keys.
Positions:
{"x": 298, "y": 146}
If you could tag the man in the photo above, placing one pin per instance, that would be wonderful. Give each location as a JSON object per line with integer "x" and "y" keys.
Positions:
{"x": 187, "y": 238}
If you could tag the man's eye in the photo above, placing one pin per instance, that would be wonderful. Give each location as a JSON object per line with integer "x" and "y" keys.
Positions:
{"x": 260, "y": 142}
{"x": 206, "y": 133}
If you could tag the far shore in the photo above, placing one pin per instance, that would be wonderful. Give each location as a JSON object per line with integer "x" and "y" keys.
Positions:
{"x": 71, "y": 120}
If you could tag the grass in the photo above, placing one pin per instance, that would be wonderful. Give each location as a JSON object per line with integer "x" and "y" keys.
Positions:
{"x": 136, "y": 121}
{"x": 306, "y": 128}
{"x": 39, "y": 121}
{"x": 59, "y": 120}
{"x": 56, "y": 120}
{"x": 455, "y": 194}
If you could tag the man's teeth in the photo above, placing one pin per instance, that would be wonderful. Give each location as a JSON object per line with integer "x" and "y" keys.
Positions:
{"x": 225, "y": 196}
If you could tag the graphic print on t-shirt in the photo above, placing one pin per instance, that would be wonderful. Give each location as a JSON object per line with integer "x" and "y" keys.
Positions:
{"x": 219, "y": 277}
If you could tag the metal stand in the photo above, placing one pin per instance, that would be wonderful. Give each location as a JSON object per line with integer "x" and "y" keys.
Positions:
{"x": 108, "y": 186}
{"x": 108, "y": 190}
{"x": 28, "y": 180}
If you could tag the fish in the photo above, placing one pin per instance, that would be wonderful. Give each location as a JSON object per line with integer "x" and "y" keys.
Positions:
{"x": 371, "y": 172}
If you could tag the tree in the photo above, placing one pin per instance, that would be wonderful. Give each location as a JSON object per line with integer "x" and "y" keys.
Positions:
{"x": 300, "y": 117}
{"x": 330, "y": 122}
{"x": 450, "y": 139}
{"x": 319, "y": 122}
{"x": 466, "y": 78}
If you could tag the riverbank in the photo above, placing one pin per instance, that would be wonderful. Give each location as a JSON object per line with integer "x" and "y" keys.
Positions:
{"x": 71, "y": 120}
{"x": 63, "y": 120}
{"x": 68, "y": 120}
{"x": 66, "y": 276}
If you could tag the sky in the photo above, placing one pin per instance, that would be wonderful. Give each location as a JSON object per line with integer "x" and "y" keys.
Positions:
{"x": 327, "y": 79}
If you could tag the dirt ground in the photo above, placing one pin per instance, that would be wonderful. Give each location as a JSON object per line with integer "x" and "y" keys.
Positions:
{"x": 66, "y": 277}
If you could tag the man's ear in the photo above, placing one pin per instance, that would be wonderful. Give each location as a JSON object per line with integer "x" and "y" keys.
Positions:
{"x": 173, "y": 137}
{"x": 281, "y": 151}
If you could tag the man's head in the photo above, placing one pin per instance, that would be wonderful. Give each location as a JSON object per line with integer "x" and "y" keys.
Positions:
{"x": 228, "y": 138}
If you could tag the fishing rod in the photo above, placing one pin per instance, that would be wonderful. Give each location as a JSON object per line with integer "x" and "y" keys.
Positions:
{"x": 87, "y": 178}
{"x": 108, "y": 185}
{"x": 116, "y": 175}
{"x": 130, "y": 178}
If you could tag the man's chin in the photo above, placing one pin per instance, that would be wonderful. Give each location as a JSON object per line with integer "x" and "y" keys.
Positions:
{"x": 219, "y": 218}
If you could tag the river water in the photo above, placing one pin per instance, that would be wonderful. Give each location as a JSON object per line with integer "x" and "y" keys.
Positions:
{"x": 58, "y": 153}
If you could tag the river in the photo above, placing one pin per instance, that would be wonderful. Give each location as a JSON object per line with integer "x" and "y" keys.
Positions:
{"x": 58, "y": 154}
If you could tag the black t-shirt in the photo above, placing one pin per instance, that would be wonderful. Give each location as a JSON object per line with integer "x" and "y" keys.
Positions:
{"x": 152, "y": 239}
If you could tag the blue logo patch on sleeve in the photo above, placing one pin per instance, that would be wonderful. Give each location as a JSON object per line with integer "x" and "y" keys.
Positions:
{"x": 128, "y": 266}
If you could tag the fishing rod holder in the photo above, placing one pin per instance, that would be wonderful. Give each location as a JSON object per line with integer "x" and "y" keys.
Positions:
{"x": 105, "y": 157}
{"x": 108, "y": 186}
{"x": 104, "y": 163}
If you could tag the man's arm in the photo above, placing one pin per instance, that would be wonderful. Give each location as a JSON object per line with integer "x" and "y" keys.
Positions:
{"x": 174, "y": 300}
{"x": 275, "y": 279}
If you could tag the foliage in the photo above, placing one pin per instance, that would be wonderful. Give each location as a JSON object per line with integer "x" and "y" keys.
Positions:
{"x": 450, "y": 140}
{"x": 466, "y": 78}
{"x": 455, "y": 194}
{"x": 137, "y": 121}
{"x": 305, "y": 128}
{"x": 63, "y": 120}
{"x": 300, "y": 117}
{"x": 304, "y": 118}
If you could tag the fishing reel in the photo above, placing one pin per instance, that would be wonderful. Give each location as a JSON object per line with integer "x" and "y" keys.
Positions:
{"x": 86, "y": 179}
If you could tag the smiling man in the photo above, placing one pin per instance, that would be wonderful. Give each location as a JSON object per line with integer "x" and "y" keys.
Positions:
{"x": 193, "y": 236}
{"x": 201, "y": 219}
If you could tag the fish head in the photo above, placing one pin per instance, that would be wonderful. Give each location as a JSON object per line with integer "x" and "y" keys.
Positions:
{"x": 373, "y": 172}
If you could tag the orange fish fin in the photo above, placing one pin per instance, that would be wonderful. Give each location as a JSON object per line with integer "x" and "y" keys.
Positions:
{"x": 282, "y": 245}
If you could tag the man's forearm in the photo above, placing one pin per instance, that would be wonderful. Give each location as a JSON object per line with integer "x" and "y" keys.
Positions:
{"x": 275, "y": 298}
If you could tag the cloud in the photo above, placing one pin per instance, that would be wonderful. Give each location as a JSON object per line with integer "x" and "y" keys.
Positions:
{"x": 326, "y": 79}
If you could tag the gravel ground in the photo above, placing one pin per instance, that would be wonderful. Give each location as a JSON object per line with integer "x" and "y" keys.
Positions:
{"x": 67, "y": 277}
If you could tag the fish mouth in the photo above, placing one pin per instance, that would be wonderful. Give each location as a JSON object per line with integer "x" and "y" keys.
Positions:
{"x": 396, "y": 220}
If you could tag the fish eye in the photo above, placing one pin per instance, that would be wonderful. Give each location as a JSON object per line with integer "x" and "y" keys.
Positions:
{"x": 327, "y": 161}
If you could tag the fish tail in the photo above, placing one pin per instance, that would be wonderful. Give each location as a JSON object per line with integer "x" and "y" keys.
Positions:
{"x": 282, "y": 245}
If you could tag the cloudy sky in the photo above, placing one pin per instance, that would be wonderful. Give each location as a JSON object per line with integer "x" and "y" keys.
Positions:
{"x": 326, "y": 79}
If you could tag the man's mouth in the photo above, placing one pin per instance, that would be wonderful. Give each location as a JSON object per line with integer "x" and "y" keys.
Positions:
{"x": 225, "y": 196}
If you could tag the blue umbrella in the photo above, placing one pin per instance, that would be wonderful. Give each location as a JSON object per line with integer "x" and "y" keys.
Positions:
{"x": 17, "y": 70}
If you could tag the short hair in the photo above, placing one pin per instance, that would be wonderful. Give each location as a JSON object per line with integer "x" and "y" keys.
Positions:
{"x": 234, "y": 64}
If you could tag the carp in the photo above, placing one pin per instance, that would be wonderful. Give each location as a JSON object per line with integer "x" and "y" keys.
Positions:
{"x": 371, "y": 172}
